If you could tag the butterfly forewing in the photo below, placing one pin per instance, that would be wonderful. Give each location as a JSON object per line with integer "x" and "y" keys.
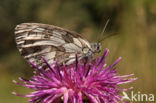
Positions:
{"x": 35, "y": 40}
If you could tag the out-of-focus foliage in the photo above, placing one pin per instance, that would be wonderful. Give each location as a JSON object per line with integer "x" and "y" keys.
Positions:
{"x": 133, "y": 20}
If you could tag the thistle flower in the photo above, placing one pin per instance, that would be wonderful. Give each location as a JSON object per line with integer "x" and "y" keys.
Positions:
{"x": 92, "y": 82}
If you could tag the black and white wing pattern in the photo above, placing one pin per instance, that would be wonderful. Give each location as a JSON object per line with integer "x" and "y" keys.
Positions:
{"x": 35, "y": 40}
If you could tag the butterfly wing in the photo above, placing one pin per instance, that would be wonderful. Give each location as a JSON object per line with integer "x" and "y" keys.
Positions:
{"x": 35, "y": 40}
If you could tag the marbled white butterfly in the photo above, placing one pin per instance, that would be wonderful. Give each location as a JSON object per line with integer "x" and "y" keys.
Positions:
{"x": 35, "y": 40}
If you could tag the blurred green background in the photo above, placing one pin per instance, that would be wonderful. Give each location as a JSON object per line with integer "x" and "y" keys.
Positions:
{"x": 133, "y": 20}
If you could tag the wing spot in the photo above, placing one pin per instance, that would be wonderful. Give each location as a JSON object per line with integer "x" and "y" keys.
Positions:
{"x": 30, "y": 50}
{"x": 68, "y": 38}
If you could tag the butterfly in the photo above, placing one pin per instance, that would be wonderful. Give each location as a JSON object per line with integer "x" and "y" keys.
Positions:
{"x": 36, "y": 40}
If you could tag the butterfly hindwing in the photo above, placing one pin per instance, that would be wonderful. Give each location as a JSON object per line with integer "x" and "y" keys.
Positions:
{"x": 35, "y": 40}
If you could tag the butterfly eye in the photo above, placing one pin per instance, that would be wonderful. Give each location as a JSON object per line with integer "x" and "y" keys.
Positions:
{"x": 97, "y": 47}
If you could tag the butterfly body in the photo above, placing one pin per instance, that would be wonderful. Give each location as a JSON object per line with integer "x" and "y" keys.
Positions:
{"x": 35, "y": 40}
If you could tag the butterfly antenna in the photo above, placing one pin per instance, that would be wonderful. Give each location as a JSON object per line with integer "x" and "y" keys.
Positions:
{"x": 103, "y": 31}
{"x": 108, "y": 35}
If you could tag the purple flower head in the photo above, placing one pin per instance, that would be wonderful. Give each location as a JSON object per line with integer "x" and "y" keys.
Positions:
{"x": 92, "y": 82}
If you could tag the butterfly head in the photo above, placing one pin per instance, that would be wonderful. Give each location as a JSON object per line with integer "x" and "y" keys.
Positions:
{"x": 96, "y": 47}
